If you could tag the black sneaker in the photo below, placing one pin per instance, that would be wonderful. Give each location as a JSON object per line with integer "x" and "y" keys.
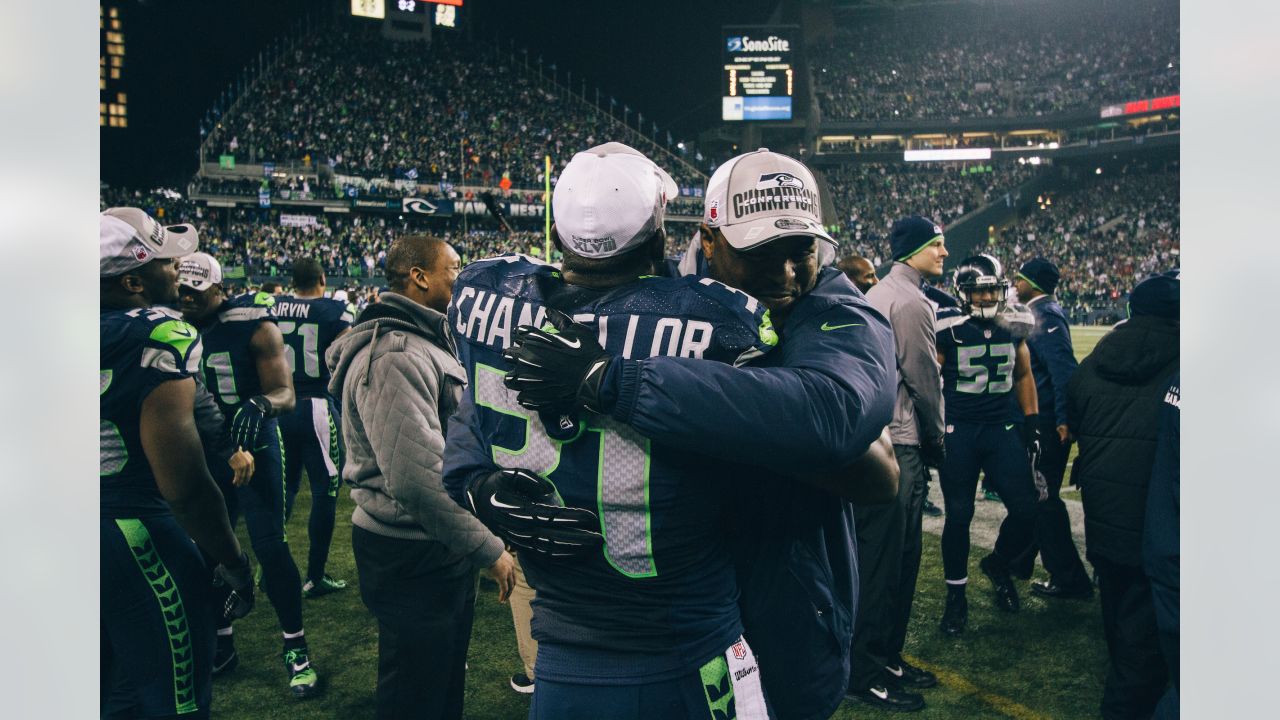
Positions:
{"x": 956, "y": 614}
{"x": 888, "y": 698}
{"x": 225, "y": 657}
{"x": 1005, "y": 592}
{"x": 1050, "y": 589}
{"x": 909, "y": 676}
{"x": 521, "y": 684}
{"x": 930, "y": 509}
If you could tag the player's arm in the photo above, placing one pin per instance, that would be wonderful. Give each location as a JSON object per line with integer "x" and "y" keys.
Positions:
{"x": 267, "y": 346}
{"x": 829, "y": 400}
{"x": 872, "y": 480}
{"x": 1056, "y": 349}
{"x": 172, "y": 446}
{"x": 1024, "y": 381}
{"x": 918, "y": 364}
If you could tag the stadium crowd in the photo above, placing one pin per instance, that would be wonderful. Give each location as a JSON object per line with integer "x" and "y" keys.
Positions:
{"x": 868, "y": 197}
{"x": 372, "y": 108}
{"x": 1105, "y": 232}
{"x": 997, "y": 60}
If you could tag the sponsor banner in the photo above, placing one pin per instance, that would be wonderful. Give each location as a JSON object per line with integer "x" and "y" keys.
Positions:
{"x": 422, "y": 206}
{"x": 264, "y": 198}
{"x": 957, "y": 154}
{"x": 288, "y": 220}
{"x": 384, "y": 205}
{"x": 268, "y": 168}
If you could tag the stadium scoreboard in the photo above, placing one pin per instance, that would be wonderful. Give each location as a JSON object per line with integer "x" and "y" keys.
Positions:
{"x": 759, "y": 72}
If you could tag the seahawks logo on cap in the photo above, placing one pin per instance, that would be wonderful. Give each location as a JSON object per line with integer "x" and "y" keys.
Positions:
{"x": 779, "y": 179}
{"x": 790, "y": 224}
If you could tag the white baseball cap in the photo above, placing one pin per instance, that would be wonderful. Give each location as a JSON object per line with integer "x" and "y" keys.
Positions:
{"x": 762, "y": 196}
{"x": 128, "y": 238}
{"x": 199, "y": 270}
{"x": 609, "y": 199}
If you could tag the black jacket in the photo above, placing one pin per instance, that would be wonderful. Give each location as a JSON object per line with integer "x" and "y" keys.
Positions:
{"x": 1113, "y": 409}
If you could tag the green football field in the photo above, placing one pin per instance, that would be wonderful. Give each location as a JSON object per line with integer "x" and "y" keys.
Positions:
{"x": 1048, "y": 661}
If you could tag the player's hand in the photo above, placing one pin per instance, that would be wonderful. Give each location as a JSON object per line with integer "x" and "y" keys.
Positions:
{"x": 557, "y": 369}
{"x": 503, "y": 572}
{"x": 248, "y": 420}
{"x": 933, "y": 452}
{"x": 1031, "y": 434}
{"x": 242, "y": 467}
{"x": 524, "y": 509}
{"x": 1064, "y": 435}
{"x": 237, "y": 582}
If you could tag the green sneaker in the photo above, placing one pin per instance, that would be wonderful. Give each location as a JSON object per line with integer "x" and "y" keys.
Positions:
{"x": 303, "y": 681}
{"x": 326, "y": 585}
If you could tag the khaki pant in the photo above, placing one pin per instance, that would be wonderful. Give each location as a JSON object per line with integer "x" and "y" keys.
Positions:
{"x": 521, "y": 615}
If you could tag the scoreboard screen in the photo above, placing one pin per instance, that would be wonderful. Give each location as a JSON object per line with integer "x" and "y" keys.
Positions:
{"x": 759, "y": 72}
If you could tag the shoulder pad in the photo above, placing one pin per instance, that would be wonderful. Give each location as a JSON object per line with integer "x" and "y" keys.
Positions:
{"x": 738, "y": 301}
{"x": 262, "y": 299}
{"x": 246, "y": 308}
{"x": 1018, "y": 319}
{"x": 949, "y": 317}
{"x": 173, "y": 346}
{"x": 349, "y": 313}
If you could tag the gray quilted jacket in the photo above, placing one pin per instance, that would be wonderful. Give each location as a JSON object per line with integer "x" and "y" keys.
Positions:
{"x": 399, "y": 381}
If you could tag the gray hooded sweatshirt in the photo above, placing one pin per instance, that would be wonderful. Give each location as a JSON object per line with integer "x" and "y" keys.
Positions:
{"x": 399, "y": 380}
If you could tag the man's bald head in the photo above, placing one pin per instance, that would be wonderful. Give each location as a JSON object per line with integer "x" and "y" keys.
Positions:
{"x": 859, "y": 270}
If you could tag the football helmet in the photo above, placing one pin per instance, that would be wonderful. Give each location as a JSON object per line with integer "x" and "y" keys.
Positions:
{"x": 981, "y": 272}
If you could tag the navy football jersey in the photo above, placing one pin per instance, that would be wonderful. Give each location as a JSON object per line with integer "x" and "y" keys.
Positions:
{"x": 309, "y": 327}
{"x": 140, "y": 349}
{"x": 663, "y": 585}
{"x": 230, "y": 372}
{"x": 978, "y": 360}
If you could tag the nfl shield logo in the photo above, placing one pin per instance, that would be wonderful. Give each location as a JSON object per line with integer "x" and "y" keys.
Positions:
{"x": 986, "y": 334}
{"x": 715, "y": 209}
{"x": 739, "y": 650}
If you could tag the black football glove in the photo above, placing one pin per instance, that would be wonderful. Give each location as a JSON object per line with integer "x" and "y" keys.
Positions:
{"x": 524, "y": 509}
{"x": 235, "y": 584}
{"x": 933, "y": 452}
{"x": 557, "y": 370}
{"x": 248, "y": 420}
{"x": 1031, "y": 439}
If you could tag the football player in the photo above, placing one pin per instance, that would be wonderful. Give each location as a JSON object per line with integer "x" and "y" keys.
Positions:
{"x": 244, "y": 366}
{"x": 312, "y": 435}
{"x": 646, "y": 623}
{"x": 156, "y": 494}
{"x": 992, "y": 426}
{"x": 791, "y": 544}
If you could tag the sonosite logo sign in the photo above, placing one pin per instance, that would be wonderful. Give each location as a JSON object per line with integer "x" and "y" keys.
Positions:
{"x": 746, "y": 43}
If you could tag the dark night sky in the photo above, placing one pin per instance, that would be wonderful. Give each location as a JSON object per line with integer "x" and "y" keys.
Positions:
{"x": 661, "y": 58}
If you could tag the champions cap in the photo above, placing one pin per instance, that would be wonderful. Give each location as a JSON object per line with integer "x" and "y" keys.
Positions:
{"x": 128, "y": 238}
{"x": 199, "y": 271}
{"x": 762, "y": 196}
{"x": 609, "y": 199}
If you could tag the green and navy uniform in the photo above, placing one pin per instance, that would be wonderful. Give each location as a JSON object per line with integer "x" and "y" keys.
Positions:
{"x": 231, "y": 374}
{"x": 649, "y": 626}
{"x": 311, "y": 433}
{"x": 984, "y": 425}
{"x": 156, "y": 621}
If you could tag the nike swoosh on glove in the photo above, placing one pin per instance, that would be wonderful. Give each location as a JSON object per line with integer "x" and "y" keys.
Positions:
{"x": 557, "y": 369}
{"x": 248, "y": 420}
{"x": 524, "y": 509}
{"x": 236, "y": 586}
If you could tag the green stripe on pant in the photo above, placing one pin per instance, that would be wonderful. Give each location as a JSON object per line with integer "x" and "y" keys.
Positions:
{"x": 171, "y": 609}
